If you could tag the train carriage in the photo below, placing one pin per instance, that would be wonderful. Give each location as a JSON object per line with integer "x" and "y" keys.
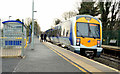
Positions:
{"x": 81, "y": 34}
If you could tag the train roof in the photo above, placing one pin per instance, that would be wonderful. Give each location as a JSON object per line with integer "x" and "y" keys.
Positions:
{"x": 79, "y": 16}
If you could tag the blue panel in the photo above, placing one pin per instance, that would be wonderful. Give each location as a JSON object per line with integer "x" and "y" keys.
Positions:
{"x": 11, "y": 42}
{"x": 6, "y": 42}
{"x": 17, "y": 42}
{"x": 70, "y": 38}
{"x": 14, "y": 43}
{"x": 20, "y": 42}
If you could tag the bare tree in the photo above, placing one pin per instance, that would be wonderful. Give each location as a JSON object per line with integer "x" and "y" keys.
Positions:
{"x": 57, "y": 21}
{"x": 69, "y": 14}
{"x": 28, "y": 21}
{"x": 114, "y": 12}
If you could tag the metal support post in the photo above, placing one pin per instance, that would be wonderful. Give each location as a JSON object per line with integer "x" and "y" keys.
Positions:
{"x": 0, "y": 49}
{"x": 32, "y": 25}
{"x": 0, "y": 36}
{"x": 22, "y": 51}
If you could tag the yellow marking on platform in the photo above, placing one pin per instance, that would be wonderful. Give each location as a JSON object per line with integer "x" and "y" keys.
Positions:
{"x": 26, "y": 43}
{"x": 3, "y": 37}
{"x": 102, "y": 64}
{"x": 93, "y": 61}
{"x": 96, "y": 62}
{"x": 19, "y": 38}
{"x": 66, "y": 59}
{"x": 79, "y": 62}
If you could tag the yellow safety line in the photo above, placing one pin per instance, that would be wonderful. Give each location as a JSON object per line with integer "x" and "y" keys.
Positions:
{"x": 3, "y": 37}
{"x": 26, "y": 43}
{"x": 19, "y": 38}
{"x": 66, "y": 59}
{"x": 94, "y": 61}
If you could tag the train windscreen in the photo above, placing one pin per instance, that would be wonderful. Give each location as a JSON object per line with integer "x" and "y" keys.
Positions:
{"x": 88, "y": 30}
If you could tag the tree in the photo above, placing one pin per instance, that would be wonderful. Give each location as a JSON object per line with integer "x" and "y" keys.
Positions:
{"x": 57, "y": 21}
{"x": 18, "y": 20}
{"x": 69, "y": 14}
{"x": 37, "y": 29}
{"x": 104, "y": 11}
{"x": 28, "y": 21}
{"x": 88, "y": 8}
{"x": 114, "y": 12}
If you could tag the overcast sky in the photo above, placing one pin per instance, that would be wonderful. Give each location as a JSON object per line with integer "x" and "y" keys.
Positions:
{"x": 47, "y": 10}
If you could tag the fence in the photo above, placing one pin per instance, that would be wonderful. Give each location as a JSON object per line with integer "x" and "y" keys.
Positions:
{"x": 12, "y": 46}
{"x": 111, "y": 37}
{"x": 14, "y": 40}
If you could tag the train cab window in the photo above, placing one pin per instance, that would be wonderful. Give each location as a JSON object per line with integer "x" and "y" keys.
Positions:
{"x": 88, "y": 30}
{"x": 94, "y": 30}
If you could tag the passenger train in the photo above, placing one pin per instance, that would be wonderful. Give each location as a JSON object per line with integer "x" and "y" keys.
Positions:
{"x": 81, "y": 34}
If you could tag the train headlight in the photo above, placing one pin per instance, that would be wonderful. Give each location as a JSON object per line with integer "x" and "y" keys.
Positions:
{"x": 77, "y": 42}
{"x": 98, "y": 43}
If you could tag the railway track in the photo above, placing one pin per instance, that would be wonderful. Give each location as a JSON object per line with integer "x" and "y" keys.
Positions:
{"x": 108, "y": 60}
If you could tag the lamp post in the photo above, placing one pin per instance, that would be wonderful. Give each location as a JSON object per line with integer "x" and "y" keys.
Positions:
{"x": 10, "y": 17}
{"x": 33, "y": 25}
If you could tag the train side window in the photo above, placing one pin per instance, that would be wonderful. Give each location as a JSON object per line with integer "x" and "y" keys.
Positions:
{"x": 63, "y": 32}
{"x": 60, "y": 31}
{"x": 67, "y": 33}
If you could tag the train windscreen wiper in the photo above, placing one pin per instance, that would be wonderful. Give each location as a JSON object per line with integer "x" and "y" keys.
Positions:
{"x": 90, "y": 32}
{"x": 96, "y": 32}
{"x": 80, "y": 34}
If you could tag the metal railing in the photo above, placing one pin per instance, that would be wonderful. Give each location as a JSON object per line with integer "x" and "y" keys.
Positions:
{"x": 12, "y": 46}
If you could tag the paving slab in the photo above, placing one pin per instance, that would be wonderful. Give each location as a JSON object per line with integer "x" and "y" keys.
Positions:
{"x": 42, "y": 59}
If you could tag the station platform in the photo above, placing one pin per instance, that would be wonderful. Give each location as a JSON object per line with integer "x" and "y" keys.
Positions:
{"x": 47, "y": 57}
{"x": 42, "y": 59}
{"x": 81, "y": 61}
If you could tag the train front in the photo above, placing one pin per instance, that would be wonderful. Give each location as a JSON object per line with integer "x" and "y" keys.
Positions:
{"x": 88, "y": 32}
